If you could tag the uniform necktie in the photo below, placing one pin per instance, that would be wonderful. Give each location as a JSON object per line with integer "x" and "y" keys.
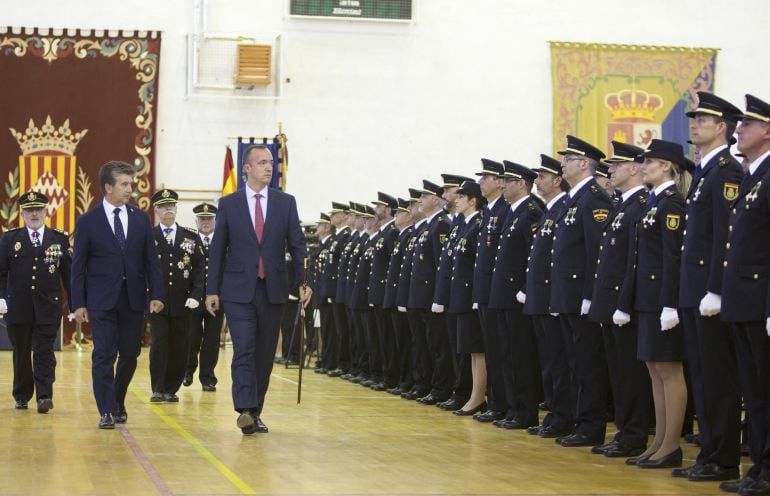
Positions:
{"x": 206, "y": 241}
{"x": 259, "y": 227}
{"x": 167, "y": 232}
{"x": 35, "y": 239}
{"x": 651, "y": 198}
{"x": 119, "y": 232}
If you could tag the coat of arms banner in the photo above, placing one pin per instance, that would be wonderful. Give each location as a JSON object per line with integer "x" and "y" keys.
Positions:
{"x": 627, "y": 93}
{"x": 72, "y": 100}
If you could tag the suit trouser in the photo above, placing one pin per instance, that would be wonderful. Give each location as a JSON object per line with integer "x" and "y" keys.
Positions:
{"x": 354, "y": 324}
{"x": 389, "y": 350}
{"x": 403, "y": 337}
{"x": 752, "y": 349}
{"x": 329, "y": 339}
{"x": 34, "y": 362}
{"x": 340, "y": 353}
{"x": 630, "y": 381}
{"x": 555, "y": 371}
{"x": 520, "y": 368}
{"x": 117, "y": 333}
{"x": 168, "y": 351}
{"x": 583, "y": 342}
{"x": 360, "y": 351}
{"x": 443, "y": 377}
{"x": 461, "y": 363}
{"x": 714, "y": 375}
{"x": 495, "y": 383}
{"x": 254, "y": 330}
{"x": 375, "y": 349}
{"x": 422, "y": 362}
{"x": 205, "y": 330}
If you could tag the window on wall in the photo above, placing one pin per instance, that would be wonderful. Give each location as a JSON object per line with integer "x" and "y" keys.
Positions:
{"x": 394, "y": 10}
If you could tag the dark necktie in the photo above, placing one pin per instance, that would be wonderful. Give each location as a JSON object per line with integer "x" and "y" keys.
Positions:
{"x": 745, "y": 182}
{"x": 651, "y": 198}
{"x": 259, "y": 227}
{"x": 35, "y": 239}
{"x": 206, "y": 241}
{"x": 119, "y": 232}
{"x": 167, "y": 232}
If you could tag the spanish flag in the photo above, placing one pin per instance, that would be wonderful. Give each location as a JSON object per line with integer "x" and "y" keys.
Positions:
{"x": 229, "y": 181}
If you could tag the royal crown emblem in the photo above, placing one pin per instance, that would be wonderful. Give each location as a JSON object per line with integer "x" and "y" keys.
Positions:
{"x": 633, "y": 105}
{"x": 48, "y": 138}
{"x": 165, "y": 193}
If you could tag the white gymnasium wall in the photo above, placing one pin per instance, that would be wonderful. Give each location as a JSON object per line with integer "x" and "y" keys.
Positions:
{"x": 376, "y": 106}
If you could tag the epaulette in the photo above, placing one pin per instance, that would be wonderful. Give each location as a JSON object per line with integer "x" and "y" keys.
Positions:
{"x": 478, "y": 220}
{"x": 642, "y": 199}
{"x": 194, "y": 231}
{"x": 669, "y": 192}
{"x": 64, "y": 233}
{"x": 594, "y": 188}
{"x": 14, "y": 229}
{"x": 531, "y": 205}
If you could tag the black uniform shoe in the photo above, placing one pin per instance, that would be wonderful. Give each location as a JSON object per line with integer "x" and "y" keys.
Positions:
{"x": 209, "y": 387}
{"x": 106, "y": 421}
{"x": 429, "y": 399}
{"x": 20, "y": 405}
{"x": 260, "y": 426}
{"x": 579, "y": 440}
{"x": 535, "y": 430}
{"x": 121, "y": 417}
{"x": 450, "y": 405}
{"x": 756, "y": 488}
{"x": 713, "y": 472}
{"x": 44, "y": 404}
{"x": 170, "y": 398}
{"x": 187, "y": 380}
{"x": 550, "y": 432}
{"x": 736, "y": 486}
{"x": 516, "y": 424}
{"x": 685, "y": 471}
{"x": 599, "y": 449}
{"x": 673, "y": 459}
{"x": 246, "y": 423}
{"x": 489, "y": 416}
{"x": 395, "y": 391}
{"x": 637, "y": 459}
{"x": 473, "y": 411}
{"x": 380, "y": 386}
{"x": 335, "y": 373}
{"x": 156, "y": 397}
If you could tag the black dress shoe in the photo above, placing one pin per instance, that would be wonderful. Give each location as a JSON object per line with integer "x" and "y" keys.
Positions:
{"x": 320, "y": 370}
{"x": 170, "y": 398}
{"x": 516, "y": 424}
{"x": 685, "y": 471}
{"x": 476, "y": 409}
{"x": 380, "y": 386}
{"x": 673, "y": 459}
{"x": 121, "y": 417}
{"x": 367, "y": 383}
{"x": 260, "y": 426}
{"x": 756, "y": 488}
{"x": 623, "y": 451}
{"x": 44, "y": 404}
{"x": 713, "y": 472}
{"x": 394, "y": 391}
{"x": 156, "y": 398}
{"x": 535, "y": 430}
{"x": 187, "y": 380}
{"x": 489, "y": 416}
{"x": 346, "y": 377}
{"x": 499, "y": 423}
{"x": 542, "y": 406}
{"x": 550, "y": 432}
{"x": 106, "y": 421}
{"x": 209, "y": 387}
{"x": 20, "y": 405}
{"x": 334, "y": 373}
{"x": 579, "y": 440}
{"x": 411, "y": 395}
{"x": 357, "y": 379}
{"x": 246, "y": 423}
{"x": 599, "y": 449}
{"x": 736, "y": 486}
{"x": 637, "y": 459}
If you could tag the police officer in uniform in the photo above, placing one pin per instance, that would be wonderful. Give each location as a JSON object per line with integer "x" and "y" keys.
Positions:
{"x": 357, "y": 288}
{"x": 745, "y": 291}
{"x": 205, "y": 328}
{"x": 554, "y": 365}
{"x": 338, "y": 336}
{"x": 518, "y": 345}
{"x": 613, "y": 294}
{"x": 34, "y": 266}
{"x": 182, "y": 263}
{"x": 325, "y": 259}
{"x": 344, "y": 287}
{"x": 575, "y": 249}
{"x": 709, "y": 343}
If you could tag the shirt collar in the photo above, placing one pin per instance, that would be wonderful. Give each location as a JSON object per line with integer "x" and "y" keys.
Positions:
{"x": 573, "y": 191}
{"x": 419, "y": 223}
{"x": 630, "y": 192}
{"x": 470, "y": 216}
{"x": 429, "y": 219}
{"x": 110, "y": 208}
{"x": 553, "y": 201}
{"x": 210, "y": 235}
{"x": 491, "y": 204}
{"x": 384, "y": 226}
{"x": 755, "y": 164}
{"x": 323, "y": 240}
{"x": 518, "y": 202}
{"x": 707, "y": 158}
{"x": 172, "y": 227}
{"x": 250, "y": 192}
{"x": 39, "y": 231}
{"x": 663, "y": 187}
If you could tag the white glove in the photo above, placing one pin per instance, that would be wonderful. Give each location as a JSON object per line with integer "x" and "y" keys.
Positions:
{"x": 668, "y": 318}
{"x": 293, "y": 298}
{"x": 436, "y": 308}
{"x": 329, "y": 300}
{"x": 710, "y": 305}
{"x": 767, "y": 326}
{"x": 70, "y": 317}
{"x": 585, "y": 307}
{"x": 475, "y": 306}
{"x": 402, "y": 309}
{"x": 3, "y": 306}
{"x": 521, "y": 297}
{"x": 191, "y": 304}
{"x": 554, "y": 315}
{"x": 371, "y": 305}
{"x": 620, "y": 318}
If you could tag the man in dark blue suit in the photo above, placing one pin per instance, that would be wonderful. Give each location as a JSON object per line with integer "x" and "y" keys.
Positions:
{"x": 247, "y": 276}
{"x": 113, "y": 265}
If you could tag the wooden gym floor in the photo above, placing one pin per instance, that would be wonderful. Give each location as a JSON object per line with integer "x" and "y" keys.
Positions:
{"x": 342, "y": 440}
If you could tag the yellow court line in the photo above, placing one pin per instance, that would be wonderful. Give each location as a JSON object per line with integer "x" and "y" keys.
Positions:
{"x": 213, "y": 460}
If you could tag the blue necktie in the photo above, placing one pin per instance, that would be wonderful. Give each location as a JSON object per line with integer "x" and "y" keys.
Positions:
{"x": 167, "y": 232}
{"x": 119, "y": 232}
{"x": 651, "y": 198}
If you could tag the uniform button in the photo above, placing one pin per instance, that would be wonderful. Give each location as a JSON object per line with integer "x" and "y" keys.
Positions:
{"x": 34, "y": 267}
{"x": 617, "y": 288}
{"x": 604, "y": 234}
{"x": 170, "y": 283}
{"x": 735, "y": 210}
{"x": 466, "y": 284}
{"x": 35, "y": 259}
{"x": 527, "y": 269}
{"x": 684, "y": 233}
{"x": 596, "y": 276}
{"x": 171, "y": 273}
{"x": 551, "y": 264}
{"x": 652, "y": 277}
{"x": 601, "y": 248}
{"x": 511, "y": 279}
{"x": 170, "y": 264}
{"x": 33, "y": 287}
{"x": 756, "y": 276}
{"x": 727, "y": 246}
{"x": 701, "y": 262}
{"x": 688, "y": 202}
{"x": 724, "y": 264}
{"x": 730, "y": 228}
{"x": 33, "y": 278}
{"x": 453, "y": 278}
{"x": 574, "y": 276}
{"x": 686, "y": 216}
{"x": 546, "y": 281}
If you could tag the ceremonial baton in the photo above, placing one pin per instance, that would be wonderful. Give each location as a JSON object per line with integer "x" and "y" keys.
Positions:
{"x": 301, "y": 338}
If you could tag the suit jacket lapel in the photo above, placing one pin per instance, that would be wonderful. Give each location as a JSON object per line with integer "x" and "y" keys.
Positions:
{"x": 106, "y": 225}
{"x": 243, "y": 208}
{"x": 271, "y": 207}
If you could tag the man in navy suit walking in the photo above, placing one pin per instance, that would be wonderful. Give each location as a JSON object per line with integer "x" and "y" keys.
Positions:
{"x": 256, "y": 225}
{"x": 114, "y": 264}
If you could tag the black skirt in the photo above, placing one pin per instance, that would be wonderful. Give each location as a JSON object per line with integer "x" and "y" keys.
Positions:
{"x": 655, "y": 345}
{"x": 469, "y": 336}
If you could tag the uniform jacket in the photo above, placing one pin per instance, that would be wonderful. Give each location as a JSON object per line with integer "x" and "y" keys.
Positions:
{"x": 538, "y": 285}
{"x": 659, "y": 241}
{"x": 405, "y": 274}
{"x": 201, "y": 310}
{"x": 183, "y": 267}
{"x": 31, "y": 279}
{"x": 235, "y": 251}
{"x": 383, "y": 247}
{"x": 745, "y": 296}
{"x": 342, "y": 271}
{"x": 359, "y": 297}
{"x": 491, "y": 223}
{"x": 510, "y": 271}
{"x": 321, "y": 259}
{"x": 614, "y": 284}
{"x": 708, "y": 214}
{"x": 357, "y": 250}
{"x": 427, "y": 251}
{"x": 575, "y": 246}
{"x": 394, "y": 268}
{"x": 100, "y": 267}
{"x": 331, "y": 263}
{"x": 444, "y": 271}
{"x": 462, "y": 251}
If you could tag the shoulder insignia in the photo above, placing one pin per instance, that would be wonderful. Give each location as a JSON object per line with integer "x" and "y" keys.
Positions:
{"x": 17, "y": 246}
{"x": 730, "y": 191}
{"x": 594, "y": 188}
{"x": 531, "y": 205}
{"x": 723, "y": 161}
{"x": 65, "y": 233}
{"x": 441, "y": 238}
{"x": 601, "y": 214}
{"x": 669, "y": 192}
{"x": 642, "y": 199}
{"x": 478, "y": 220}
{"x": 192, "y": 230}
{"x": 14, "y": 229}
{"x": 672, "y": 221}
{"x": 533, "y": 227}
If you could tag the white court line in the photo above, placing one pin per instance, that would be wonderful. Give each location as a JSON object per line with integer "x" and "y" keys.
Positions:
{"x": 283, "y": 379}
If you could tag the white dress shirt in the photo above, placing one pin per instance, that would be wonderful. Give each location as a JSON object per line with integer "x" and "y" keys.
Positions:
{"x": 252, "y": 199}
{"x": 123, "y": 215}
{"x": 171, "y": 235}
{"x": 39, "y": 233}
